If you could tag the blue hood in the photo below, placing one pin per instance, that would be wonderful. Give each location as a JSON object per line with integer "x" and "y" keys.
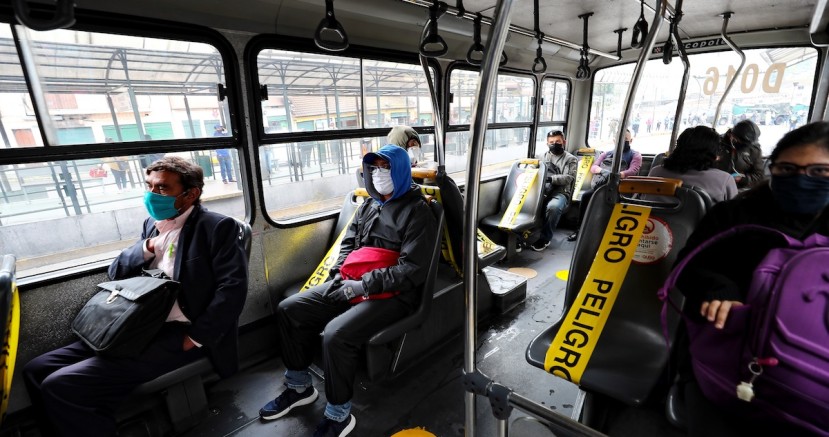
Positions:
{"x": 401, "y": 170}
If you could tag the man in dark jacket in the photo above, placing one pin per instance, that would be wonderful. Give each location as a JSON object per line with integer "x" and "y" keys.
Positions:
{"x": 558, "y": 185}
{"x": 76, "y": 391}
{"x": 740, "y": 154}
{"x": 397, "y": 220}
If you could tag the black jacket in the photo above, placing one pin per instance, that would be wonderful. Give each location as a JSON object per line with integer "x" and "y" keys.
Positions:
{"x": 725, "y": 273}
{"x": 212, "y": 267}
{"x": 404, "y": 224}
{"x": 747, "y": 160}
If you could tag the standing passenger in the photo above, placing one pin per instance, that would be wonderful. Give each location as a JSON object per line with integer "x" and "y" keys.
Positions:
{"x": 396, "y": 228}
{"x": 692, "y": 161}
{"x": 76, "y": 392}
{"x": 558, "y": 185}
{"x": 223, "y": 155}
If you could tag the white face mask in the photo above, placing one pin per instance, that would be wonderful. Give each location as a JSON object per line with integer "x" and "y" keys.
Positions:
{"x": 381, "y": 179}
{"x": 415, "y": 154}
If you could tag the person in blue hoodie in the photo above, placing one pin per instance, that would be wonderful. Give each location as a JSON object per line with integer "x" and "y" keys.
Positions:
{"x": 393, "y": 232}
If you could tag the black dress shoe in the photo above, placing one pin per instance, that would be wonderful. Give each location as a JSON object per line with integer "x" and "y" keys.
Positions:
{"x": 573, "y": 237}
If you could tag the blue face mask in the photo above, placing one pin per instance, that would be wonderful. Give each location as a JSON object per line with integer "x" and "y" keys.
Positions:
{"x": 800, "y": 194}
{"x": 159, "y": 206}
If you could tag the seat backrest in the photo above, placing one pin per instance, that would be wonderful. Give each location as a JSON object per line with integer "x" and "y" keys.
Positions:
{"x": 631, "y": 351}
{"x": 7, "y": 284}
{"x": 426, "y": 291}
{"x": 530, "y": 211}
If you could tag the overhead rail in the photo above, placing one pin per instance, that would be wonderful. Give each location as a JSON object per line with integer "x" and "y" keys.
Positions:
{"x": 619, "y": 32}
{"x": 686, "y": 75}
{"x": 514, "y": 29}
{"x": 725, "y": 17}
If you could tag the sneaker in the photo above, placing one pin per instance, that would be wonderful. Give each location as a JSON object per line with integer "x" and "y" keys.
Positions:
{"x": 286, "y": 401}
{"x": 573, "y": 237}
{"x": 332, "y": 428}
{"x": 539, "y": 245}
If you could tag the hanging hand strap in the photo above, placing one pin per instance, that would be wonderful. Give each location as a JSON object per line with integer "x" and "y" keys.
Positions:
{"x": 476, "y": 47}
{"x": 330, "y": 24}
{"x": 432, "y": 38}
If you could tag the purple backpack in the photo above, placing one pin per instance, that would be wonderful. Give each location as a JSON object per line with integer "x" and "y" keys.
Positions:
{"x": 772, "y": 356}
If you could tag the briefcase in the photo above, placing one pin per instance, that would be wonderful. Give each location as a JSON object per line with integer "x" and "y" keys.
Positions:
{"x": 122, "y": 318}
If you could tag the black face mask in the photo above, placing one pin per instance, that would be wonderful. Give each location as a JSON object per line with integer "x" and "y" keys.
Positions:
{"x": 627, "y": 146}
{"x": 557, "y": 148}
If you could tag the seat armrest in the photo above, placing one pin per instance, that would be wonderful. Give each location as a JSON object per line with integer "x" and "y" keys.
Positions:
{"x": 396, "y": 330}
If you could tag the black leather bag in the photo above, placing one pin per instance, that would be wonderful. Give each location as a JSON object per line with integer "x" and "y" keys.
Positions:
{"x": 122, "y": 318}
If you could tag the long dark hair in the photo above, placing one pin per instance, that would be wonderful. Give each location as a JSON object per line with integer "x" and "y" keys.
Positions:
{"x": 816, "y": 133}
{"x": 696, "y": 149}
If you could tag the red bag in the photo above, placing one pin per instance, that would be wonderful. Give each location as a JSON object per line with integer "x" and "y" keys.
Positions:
{"x": 97, "y": 172}
{"x": 364, "y": 260}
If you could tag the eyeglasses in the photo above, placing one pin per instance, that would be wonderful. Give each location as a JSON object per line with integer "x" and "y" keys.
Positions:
{"x": 811, "y": 170}
{"x": 379, "y": 168}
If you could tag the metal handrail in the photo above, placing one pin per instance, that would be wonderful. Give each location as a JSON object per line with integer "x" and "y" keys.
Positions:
{"x": 658, "y": 19}
{"x": 489, "y": 72}
{"x": 725, "y": 17}
{"x": 440, "y": 139}
{"x": 686, "y": 75}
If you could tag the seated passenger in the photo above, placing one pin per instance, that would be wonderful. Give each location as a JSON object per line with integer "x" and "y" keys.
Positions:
{"x": 558, "y": 185}
{"x": 409, "y": 140}
{"x": 394, "y": 232}
{"x": 692, "y": 161}
{"x": 740, "y": 154}
{"x": 795, "y": 203}
{"x": 631, "y": 162}
{"x": 74, "y": 391}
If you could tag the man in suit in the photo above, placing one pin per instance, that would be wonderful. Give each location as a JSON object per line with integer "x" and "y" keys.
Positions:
{"x": 76, "y": 392}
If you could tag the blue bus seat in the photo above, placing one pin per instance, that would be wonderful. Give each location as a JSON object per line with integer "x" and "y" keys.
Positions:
{"x": 631, "y": 353}
{"x": 531, "y": 215}
{"x": 183, "y": 388}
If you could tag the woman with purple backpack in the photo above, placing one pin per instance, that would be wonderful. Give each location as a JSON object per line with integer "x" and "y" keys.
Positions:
{"x": 794, "y": 202}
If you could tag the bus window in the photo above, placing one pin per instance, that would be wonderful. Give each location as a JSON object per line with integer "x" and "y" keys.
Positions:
{"x": 315, "y": 92}
{"x": 774, "y": 90}
{"x": 555, "y": 97}
{"x": 17, "y": 105}
{"x": 115, "y": 88}
{"x": 511, "y": 103}
{"x": 64, "y": 214}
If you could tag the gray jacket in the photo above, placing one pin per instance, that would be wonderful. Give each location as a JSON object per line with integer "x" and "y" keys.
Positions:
{"x": 561, "y": 174}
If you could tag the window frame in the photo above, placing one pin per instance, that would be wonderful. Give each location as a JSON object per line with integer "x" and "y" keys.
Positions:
{"x": 260, "y": 138}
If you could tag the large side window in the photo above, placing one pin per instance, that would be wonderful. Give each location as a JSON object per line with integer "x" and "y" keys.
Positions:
{"x": 347, "y": 98}
{"x": 108, "y": 89}
{"x": 555, "y": 98}
{"x": 510, "y": 120}
{"x": 774, "y": 90}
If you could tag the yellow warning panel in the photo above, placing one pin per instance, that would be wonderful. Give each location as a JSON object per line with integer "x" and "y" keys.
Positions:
{"x": 414, "y": 432}
{"x": 563, "y": 275}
